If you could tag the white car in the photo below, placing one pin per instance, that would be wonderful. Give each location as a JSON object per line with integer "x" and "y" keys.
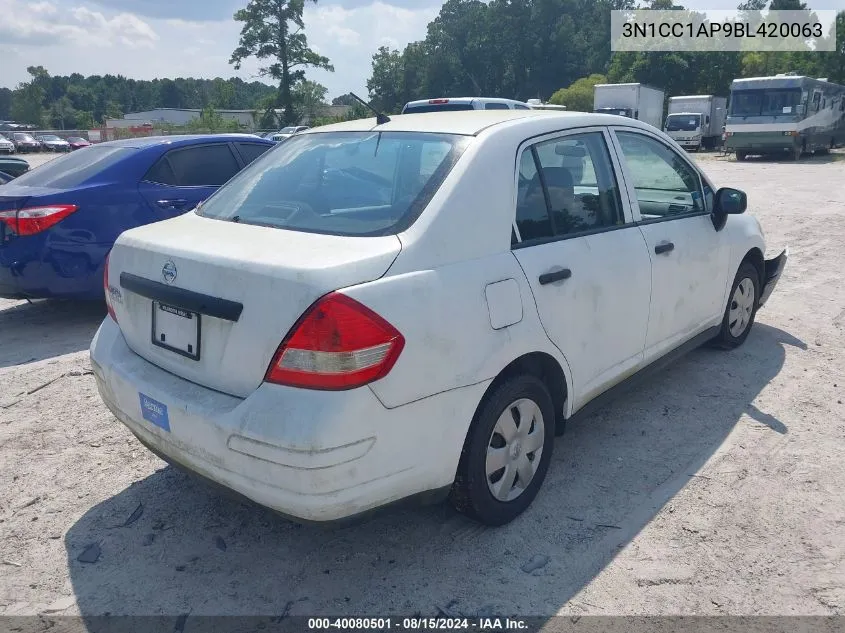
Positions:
{"x": 456, "y": 104}
{"x": 286, "y": 133}
{"x": 371, "y": 313}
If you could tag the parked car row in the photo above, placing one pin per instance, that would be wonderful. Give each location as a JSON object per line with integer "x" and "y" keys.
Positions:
{"x": 24, "y": 142}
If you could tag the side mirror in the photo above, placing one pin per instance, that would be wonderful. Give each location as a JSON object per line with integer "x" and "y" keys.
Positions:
{"x": 730, "y": 201}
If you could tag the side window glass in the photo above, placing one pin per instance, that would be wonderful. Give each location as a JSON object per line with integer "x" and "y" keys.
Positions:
{"x": 161, "y": 173}
{"x": 581, "y": 189}
{"x": 664, "y": 183}
{"x": 250, "y": 151}
{"x": 532, "y": 215}
{"x": 496, "y": 106}
{"x": 203, "y": 166}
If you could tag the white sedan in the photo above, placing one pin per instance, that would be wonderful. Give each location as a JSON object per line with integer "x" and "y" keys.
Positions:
{"x": 373, "y": 313}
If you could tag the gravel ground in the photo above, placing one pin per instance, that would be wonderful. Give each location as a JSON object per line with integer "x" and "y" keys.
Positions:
{"x": 716, "y": 488}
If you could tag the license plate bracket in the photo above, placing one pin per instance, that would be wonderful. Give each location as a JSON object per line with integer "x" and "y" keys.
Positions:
{"x": 176, "y": 329}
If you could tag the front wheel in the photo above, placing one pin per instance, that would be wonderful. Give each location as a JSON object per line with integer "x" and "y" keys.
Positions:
{"x": 506, "y": 453}
{"x": 741, "y": 308}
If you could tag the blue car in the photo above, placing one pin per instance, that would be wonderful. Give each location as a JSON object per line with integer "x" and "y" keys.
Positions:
{"x": 59, "y": 221}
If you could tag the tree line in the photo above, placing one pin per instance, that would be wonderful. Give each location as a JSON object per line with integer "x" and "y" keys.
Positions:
{"x": 548, "y": 49}
{"x": 556, "y": 50}
{"x": 78, "y": 102}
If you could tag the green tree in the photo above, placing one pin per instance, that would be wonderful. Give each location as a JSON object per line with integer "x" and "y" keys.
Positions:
{"x": 28, "y": 98}
{"x": 113, "y": 110}
{"x": 347, "y": 100}
{"x": 62, "y": 114}
{"x": 5, "y": 103}
{"x": 579, "y": 95}
{"x": 386, "y": 84}
{"x": 273, "y": 31}
{"x": 310, "y": 98}
{"x": 787, "y": 5}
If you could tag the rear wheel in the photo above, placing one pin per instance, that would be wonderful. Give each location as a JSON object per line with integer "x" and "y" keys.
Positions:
{"x": 506, "y": 453}
{"x": 740, "y": 156}
{"x": 741, "y": 308}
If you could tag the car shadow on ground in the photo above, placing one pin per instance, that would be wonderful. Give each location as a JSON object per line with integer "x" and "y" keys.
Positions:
{"x": 30, "y": 332}
{"x": 189, "y": 550}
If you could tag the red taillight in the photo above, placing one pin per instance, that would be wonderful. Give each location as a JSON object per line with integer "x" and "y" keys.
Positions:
{"x": 107, "y": 289}
{"x": 36, "y": 219}
{"x": 337, "y": 344}
{"x": 438, "y": 101}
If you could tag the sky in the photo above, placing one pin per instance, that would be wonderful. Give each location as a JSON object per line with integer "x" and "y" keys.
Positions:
{"x": 145, "y": 39}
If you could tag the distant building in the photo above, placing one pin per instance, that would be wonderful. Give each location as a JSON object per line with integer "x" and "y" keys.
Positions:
{"x": 178, "y": 116}
{"x": 183, "y": 116}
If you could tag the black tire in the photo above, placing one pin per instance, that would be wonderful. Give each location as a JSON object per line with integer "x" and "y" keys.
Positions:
{"x": 471, "y": 492}
{"x": 740, "y": 156}
{"x": 727, "y": 339}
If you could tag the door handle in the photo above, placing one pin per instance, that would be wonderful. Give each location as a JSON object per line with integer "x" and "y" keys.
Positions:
{"x": 177, "y": 203}
{"x": 666, "y": 247}
{"x": 558, "y": 275}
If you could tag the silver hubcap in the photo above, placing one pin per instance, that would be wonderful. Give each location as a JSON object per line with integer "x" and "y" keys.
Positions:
{"x": 514, "y": 449}
{"x": 742, "y": 307}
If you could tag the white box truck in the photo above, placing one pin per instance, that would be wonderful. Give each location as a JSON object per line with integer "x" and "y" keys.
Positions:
{"x": 635, "y": 101}
{"x": 695, "y": 121}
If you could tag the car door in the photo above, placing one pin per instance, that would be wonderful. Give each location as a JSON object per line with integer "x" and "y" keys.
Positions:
{"x": 185, "y": 176}
{"x": 584, "y": 257}
{"x": 671, "y": 204}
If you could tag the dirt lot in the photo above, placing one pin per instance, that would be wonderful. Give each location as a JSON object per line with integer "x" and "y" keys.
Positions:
{"x": 716, "y": 488}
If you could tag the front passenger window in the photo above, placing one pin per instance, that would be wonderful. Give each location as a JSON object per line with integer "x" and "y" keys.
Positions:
{"x": 665, "y": 183}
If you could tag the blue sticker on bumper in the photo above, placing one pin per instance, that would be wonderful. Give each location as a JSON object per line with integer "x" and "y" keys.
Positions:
{"x": 155, "y": 412}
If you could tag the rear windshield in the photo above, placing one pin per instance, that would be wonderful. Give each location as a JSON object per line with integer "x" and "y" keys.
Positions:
{"x": 74, "y": 168}
{"x": 436, "y": 107}
{"x": 340, "y": 183}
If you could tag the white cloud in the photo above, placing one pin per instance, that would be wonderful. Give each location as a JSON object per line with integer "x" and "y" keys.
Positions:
{"x": 67, "y": 36}
{"x": 45, "y": 24}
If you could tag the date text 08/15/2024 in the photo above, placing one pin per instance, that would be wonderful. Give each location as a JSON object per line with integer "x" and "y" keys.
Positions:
{"x": 418, "y": 624}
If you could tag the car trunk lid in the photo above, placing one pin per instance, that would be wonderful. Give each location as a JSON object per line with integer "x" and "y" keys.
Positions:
{"x": 249, "y": 284}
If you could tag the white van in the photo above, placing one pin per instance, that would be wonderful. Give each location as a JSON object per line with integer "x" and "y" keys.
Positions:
{"x": 463, "y": 103}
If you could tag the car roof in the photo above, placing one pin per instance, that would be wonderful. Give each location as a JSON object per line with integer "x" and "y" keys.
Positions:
{"x": 177, "y": 140}
{"x": 473, "y": 122}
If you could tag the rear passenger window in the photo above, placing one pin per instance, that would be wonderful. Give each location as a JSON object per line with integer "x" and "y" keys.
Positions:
{"x": 571, "y": 181}
{"x": 161, "y": 173}
{"x": 250, "y": 151}
{"x": 203, "y": 166}
{"x": 496, "y": 106}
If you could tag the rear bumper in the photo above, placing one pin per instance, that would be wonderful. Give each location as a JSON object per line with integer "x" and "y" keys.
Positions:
{"x": 313, "y": 456}
{"x": 774, "y": 268}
